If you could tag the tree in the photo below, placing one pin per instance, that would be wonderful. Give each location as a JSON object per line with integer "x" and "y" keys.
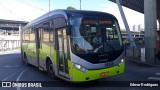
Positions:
{"x": 71, "y": 8}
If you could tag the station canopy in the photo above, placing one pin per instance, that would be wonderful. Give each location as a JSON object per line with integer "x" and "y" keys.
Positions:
{"x": 11, "y": 24}
{"x": 137, "y": 5}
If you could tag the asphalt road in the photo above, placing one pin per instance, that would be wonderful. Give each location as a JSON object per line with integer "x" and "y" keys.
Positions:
{"x": 13, "y": 69}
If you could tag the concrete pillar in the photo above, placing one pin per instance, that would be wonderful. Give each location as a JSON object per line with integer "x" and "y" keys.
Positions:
{"x": 158, "y": 17}
{"x": 158, "y": 12}
{"x": 150, "y": 11}
{"x": 20, "y": 32}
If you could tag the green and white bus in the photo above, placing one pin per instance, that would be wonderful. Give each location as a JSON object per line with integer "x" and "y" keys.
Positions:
{"x": 61, "y": 43}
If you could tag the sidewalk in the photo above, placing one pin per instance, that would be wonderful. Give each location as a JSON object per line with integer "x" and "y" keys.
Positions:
{"x": 10, "y": 51}
{"x": 142, "y": 62}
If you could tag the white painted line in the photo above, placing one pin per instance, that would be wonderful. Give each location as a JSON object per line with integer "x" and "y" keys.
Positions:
{"x": 8, "y": 66}
{"x": 10, "y": 76}
{"x": 18, "y": 88}
{"x": 154, "y": 78}
{"x": 20, "y": 75}
{"x": 157, "y": 73}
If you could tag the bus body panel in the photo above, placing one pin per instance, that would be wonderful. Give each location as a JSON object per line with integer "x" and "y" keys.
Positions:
{"x": 47, "y": 52}
{"x": 30, "y": 50}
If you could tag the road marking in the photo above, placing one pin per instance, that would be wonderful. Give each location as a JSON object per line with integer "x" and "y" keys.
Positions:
{"x": 157, "y": 73}
{"x": 8, "y": 77}
{"x": 18, "y": 88}
{"x": 9, "y": 66}
{"x": 11, "y": 75}
{"x": 154, "y": 78}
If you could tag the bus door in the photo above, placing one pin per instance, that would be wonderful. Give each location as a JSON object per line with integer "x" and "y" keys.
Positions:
{"x": 38, "y": 38}
{"x": 62, "y": 55}
{"x": 39, "y": 32}
{"x": 31, "y": 47}
{"x": 43, "y": 44}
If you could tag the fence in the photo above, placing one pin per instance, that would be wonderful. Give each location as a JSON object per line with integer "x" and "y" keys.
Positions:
{"x": 9, "y": 44}
{"x": 137, "y": 53}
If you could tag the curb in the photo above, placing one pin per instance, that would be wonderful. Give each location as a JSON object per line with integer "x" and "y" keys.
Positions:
{"x": 10, "y": 52}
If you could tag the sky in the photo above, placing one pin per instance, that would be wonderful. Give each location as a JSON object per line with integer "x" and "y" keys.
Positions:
{"x": 28, "y": 10}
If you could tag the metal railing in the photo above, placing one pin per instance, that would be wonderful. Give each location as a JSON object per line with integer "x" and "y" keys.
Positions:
{"x": 137, "y": 53}
{"x": 9, "y": 44}
{"x": 134, "y": 52}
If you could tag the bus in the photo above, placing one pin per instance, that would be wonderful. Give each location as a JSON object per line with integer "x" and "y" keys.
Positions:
{"x": 60, "y": 42}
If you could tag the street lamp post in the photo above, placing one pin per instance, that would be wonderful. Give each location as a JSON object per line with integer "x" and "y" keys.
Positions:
{"x": 49, "y": 4}
{"x": 80, "y": 4}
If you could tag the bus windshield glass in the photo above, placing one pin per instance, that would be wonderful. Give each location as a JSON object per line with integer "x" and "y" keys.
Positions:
{"x": 95, "y": 35}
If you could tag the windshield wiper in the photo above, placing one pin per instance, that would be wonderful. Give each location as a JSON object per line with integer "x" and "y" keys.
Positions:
{"x": 109, "y": 46}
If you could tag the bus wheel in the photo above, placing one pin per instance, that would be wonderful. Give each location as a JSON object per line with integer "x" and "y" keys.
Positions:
{"x": 50, "y": 69}
{"x": 25, "y": 60}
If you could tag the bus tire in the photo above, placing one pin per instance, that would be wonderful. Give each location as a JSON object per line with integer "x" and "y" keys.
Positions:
{"x": 22, "y": 57}
{"x": 50, "y": 69}
{"x": 25, "y": 59}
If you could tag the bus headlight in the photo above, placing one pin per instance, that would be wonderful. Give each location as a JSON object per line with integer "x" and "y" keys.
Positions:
{"x": 121, "y": 62}
{"x": 79, "y": 67}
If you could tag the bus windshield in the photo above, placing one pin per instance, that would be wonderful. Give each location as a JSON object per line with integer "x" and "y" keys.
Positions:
{"x": 95, "y": 35}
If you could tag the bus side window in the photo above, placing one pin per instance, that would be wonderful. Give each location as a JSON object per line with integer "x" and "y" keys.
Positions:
{"x": 32, "y": 35}
{"x": 23, "y": 33}
{"x": 51, "y": 39}
{"x": 40, "y": 31}
{"x": 46, "y": 30}
{"x": 26, "y": 35}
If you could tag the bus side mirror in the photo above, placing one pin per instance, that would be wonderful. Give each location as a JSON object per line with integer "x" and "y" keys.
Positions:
{"x": 68, "y": 29}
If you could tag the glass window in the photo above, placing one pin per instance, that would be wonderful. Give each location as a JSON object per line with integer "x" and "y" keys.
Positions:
{"x": 40, "y": 32}
{"x": 46, "y": 30}
{"x": 23, "y": 38}
{"x": 27, "y": 36}
{"x": 32, "y": 35}
{"x": 60, "y": 40}
{"x": 95, "y": 35}
{"x": 51, "y": 36}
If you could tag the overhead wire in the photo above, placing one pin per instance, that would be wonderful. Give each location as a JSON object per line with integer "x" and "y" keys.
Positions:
{"x": 31, "y": 5}
{"x": 22, "y": 1}
{"x": 10, "y": 11}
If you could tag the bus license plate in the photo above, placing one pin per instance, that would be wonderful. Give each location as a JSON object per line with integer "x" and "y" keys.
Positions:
{"x": 104, "y": 74}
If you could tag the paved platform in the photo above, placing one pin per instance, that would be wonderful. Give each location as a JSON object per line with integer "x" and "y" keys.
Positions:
{"x": 10, "y": 51}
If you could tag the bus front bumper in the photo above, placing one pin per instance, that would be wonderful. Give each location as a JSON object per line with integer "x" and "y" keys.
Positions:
{"x": 79, "y": 76}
